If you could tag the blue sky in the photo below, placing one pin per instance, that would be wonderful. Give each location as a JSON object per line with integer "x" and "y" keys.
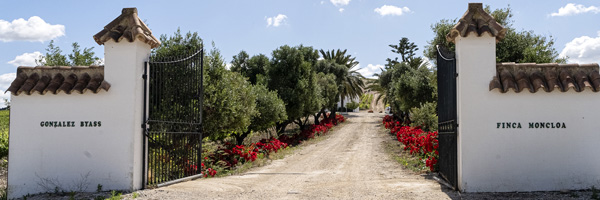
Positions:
{"x": 364, "y": 27}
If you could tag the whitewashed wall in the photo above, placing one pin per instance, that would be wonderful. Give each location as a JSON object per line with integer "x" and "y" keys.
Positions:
{"x": 67, "y": 157}
{"x": 492, "y": 159}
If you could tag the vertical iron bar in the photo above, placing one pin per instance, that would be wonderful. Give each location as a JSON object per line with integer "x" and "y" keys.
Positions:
{"x": 200, "y": 110}
{"x": 144, "y": 127}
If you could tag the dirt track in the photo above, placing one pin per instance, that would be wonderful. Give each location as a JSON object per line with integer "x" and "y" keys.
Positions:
{"x": 350, "y": 163}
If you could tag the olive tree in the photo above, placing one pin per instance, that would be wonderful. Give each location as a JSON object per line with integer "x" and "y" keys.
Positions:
{"x": 290, "y": 74}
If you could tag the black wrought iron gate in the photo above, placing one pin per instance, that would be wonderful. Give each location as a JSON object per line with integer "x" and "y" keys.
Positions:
{"x": 173, "y": 118}
{"x": 447, "y": 123}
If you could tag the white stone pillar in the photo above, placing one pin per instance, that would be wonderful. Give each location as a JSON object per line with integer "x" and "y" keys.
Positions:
{"x": 475, "y": 36}
{"x": 124, "y": 61}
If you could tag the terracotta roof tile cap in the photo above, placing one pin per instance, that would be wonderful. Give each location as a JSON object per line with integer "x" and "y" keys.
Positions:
{"x": 478, "y": 21}
{"x": 127, "y": 26}
{"x": 44, "y": 79}
{"x": 547, "y": 76}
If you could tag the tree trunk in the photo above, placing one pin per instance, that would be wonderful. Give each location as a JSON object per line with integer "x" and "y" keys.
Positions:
{"x": 280, "y": 127}
{"x": 343, "y": 105}
{"x": 299, "y": 123}
{"x": 318, "y": 115}
{"x": 333, "y": 112}
{"x": 239, "y": 139}
{"x": 305, "y": 121}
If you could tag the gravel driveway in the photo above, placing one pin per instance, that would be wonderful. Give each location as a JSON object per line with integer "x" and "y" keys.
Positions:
{"x": 350, "y": 163}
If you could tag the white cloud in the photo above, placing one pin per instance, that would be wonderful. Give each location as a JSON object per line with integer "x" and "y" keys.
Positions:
{"x": 277, "y": 20}
{"x": 26, "y": 59}
{"x": 573, "y": 9}
{"x": 33, "y": 29}
{"x": 5, "y": 81}
{"x": 391, "y": 10}
{"x": 370, "y": 70}
{"x": 341, "y": 10}
{"x": 430, "y": 63}
{"x": 322, "y": 2}
{"x": 583, "y": 49}
{"x": 340, "y": 2}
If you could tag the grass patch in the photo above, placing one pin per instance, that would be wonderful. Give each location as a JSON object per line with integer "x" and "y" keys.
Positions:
{"x": 396, "y": 150}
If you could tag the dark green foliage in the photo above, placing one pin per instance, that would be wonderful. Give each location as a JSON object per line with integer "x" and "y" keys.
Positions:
{"x": 405, "y": 48}
{"x": 413, "y": 87}
{"x": 253, "y": 68}
{"x": 329, "y": 90}
{"x": 339, "y": 72}
{"x": 407, "y": 83}
{"x": 54, "y": 56}
{"x": 290, "y": 74}
{"x": 177, "y": 44}
{"x": 331, "y": 67}
{"x": 240, "y": 62}
{"x": 517, "y": 46}
{"x": 229, "y": 103}
{"x": 526, "y": 46}
{"x": 170, "y": 107}
{"x": 270, "y": 108}
{"x": 82, "y": 58}
{"x": 425, "y": 116}
{"x": 440, "y": 29}
{"x": 329, "y": 94}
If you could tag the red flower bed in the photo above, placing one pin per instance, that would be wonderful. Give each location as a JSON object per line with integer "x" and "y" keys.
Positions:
{"x": 419, "y": 143}
{"x": 229, "y": 155}
{"x": 313, "y": 130}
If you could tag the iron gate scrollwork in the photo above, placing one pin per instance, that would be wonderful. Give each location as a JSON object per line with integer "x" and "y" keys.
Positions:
{"x": 447, "y": 117}
{"x": 173, "y": 118}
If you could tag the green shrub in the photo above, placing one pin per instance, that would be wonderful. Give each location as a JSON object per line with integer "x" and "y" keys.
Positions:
{"x": 4, "y": 122}
{"x": 352, "y": 105}
{"x": 425, "y": 116}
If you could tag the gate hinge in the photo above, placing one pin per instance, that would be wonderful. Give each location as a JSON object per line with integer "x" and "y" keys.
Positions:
{"x": 144, "y": 76}
{"x": 455, "y": 74}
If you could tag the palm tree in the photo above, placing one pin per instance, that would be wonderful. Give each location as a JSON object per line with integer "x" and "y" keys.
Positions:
{"x": 351, "y": 85}
{"x": 373, "y": 85}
